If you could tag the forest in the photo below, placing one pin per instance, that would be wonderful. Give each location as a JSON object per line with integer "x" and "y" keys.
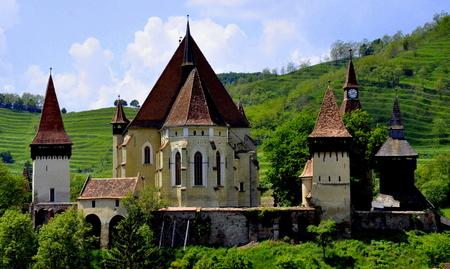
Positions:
{"x": 281, "y": 104}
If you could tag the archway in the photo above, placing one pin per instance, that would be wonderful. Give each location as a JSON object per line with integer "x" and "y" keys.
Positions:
{"x": 94, "y": 220}
{"x": 42, "y": 217}
{"x": 112, "y": 228}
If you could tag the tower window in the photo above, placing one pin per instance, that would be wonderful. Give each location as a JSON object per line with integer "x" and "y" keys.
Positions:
{"x": 198, "y": 173}
{"x": 52, "y": 195}
{"x": 177, "y": 168}
{"x": 195, "y": 132}
{"x": 219, "y": 183}
{"x": 93, "y": 204}
{"x": 241, "y": 186}
{"x": 117, "y": 203}
{"x": 203, "y": 133}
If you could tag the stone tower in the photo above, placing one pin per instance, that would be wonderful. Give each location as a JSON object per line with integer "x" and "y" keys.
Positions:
{"x": 351, "y": 91}
{"x": 51, "y": 150}
{"x": 329, "y": 145}
{"x": 119, "y": 123}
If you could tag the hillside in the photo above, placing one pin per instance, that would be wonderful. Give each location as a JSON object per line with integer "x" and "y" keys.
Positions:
{"x": 89, "y": 131}
{"x": 418, "y": 64}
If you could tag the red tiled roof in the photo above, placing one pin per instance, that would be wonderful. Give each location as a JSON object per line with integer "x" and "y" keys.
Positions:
{"x": 194, "y": 105}
{"x": 112, "y": 188}
{"x": 329, "y": 122}
{"x": 350, "y": 79}
{"x": 51, "y": 127}
{"x": 119, "y": 114}
{"x": 156, "y": 107}
{"x": 307, "y": 171}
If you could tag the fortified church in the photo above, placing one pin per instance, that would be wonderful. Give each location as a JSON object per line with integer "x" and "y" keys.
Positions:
{"x": 190, "y": 139}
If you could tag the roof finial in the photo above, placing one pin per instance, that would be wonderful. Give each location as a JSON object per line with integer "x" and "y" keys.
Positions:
{"x": 351, "y": 57}
{"x": 396, "y": 91}
{"x": 329, "y": 81}
{"x": 50, "y": 71}
{"x": 118, "y": 97}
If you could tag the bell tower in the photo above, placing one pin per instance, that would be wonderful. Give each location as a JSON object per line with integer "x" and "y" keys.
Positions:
{"x": 119, "y": 124}
{"x": 51, "y": 150}
{"x": 351, "y": 90}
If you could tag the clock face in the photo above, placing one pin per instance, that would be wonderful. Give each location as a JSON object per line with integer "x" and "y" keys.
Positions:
{"x": 352, "y": 93}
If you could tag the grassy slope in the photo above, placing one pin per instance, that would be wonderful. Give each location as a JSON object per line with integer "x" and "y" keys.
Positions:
{"x": 89, "y": 131}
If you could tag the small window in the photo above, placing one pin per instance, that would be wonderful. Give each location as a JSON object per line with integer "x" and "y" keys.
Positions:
{"x": 218, "y": 170}
{"x": 93, "y": 204}
{"x": 203, "y": 133}
{"x": 147, "y": 155}
{"x": 198, "y": 171}
{"x": 195, "y": 132}
{"x": 177, "y": 169}
{"x": 242, "y": 186}
{"x": 117, "y": 203}
{"x": 176, "y": 133}
{"x": 52, "y": 195}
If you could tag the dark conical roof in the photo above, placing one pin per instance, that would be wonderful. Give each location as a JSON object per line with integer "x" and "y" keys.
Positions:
{"x": 51, "y": 127}
{"x": 159, "y": 102}
{"x": 350, "y": 79}
{"x": 119, "y": 115}
{"x": 194, "y": 105}
{"x": 396, "y": 116}
{"x": 188, "y": 58}
{"x": 329, "y": 122}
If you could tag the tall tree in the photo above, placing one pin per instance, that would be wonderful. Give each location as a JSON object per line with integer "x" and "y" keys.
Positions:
{"x": 13, "y": 190}
{"x": 65, "y": 242}
{"x": 18, "y": 242}
{"x": 287, "y": 151}
{"x": 133, "y": 246}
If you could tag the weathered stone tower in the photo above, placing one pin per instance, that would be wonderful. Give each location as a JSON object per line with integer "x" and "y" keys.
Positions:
{"x": 51, "y": 150}
{"x": 329, "y": 145}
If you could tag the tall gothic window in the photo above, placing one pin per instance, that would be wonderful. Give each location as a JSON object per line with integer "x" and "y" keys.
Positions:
{"x": 198, "y": 173}
{"x": 219, "y": 183}
{"x": 177, "y": 168}
{"x": 147, "y": 155}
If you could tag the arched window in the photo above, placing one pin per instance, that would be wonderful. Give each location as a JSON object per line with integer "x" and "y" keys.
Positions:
{"x": 177, "y": 168}
{"x": 198, "y": 171}
{"x": 147, "y": 150}
{"x": 218, "y": 169}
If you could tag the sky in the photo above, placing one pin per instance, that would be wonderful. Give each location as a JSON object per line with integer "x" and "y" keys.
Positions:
{"x": 101, "y": 49}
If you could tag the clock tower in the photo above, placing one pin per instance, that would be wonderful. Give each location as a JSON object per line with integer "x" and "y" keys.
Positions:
{"x": 351, "y": 90}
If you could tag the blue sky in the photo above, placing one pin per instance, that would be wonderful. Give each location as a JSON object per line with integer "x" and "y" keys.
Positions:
{"x": 99, "y": 49}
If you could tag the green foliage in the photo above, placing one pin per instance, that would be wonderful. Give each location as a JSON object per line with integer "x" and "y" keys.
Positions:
{"x": 325, "y": 232}
{"x": 76, "y": 184}
{"x": 201, "y": 257}
{"x": 434, "y": 246}
{"x": 65, "y": 242}
{"x": 13, "y": 190}
{"x": 287, "y": 151}
{"x": 6, "y": 157}
{"x": 202, "y": 228}
{"x": 134, "y": 103}
{"x": 18, "y": 243}
{"x": 133, "y": 245}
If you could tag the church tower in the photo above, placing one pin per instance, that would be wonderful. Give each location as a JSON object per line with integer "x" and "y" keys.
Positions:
{"x": 351, "y": 90}
{"x": 51, "y": 150}
{"x": 119, "y": 123}
{"x": 190, "y": 138}
{"x": 397, "y": 161}
{"x": 329, "y": 145}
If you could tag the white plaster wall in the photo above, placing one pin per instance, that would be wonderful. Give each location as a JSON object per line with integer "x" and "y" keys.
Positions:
{"x": 51, "y": 172}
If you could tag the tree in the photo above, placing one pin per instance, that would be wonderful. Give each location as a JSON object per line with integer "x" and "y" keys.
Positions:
{"x": 135, "y": 103}
{"x": 439, "y": 129}
{"x": 290, "y": 67}
{"x": 65, "y": 242}
{"x": 63, "y": 110}
{"x": 123, "y": 102}
{"x": 325, "y": 232}
{"x": 133, "y": 246}
{"x": 422, "y": 74}
{"x": 287, "y": 151}
{"x": 6, "y": 157}
{"x": 13, "y": 190}
{"x": 18, "y": 242}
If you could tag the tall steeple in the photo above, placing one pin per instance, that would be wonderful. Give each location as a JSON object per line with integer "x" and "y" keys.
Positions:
{"x": 188, "y": 58}
{"x": 351, "y": 90}
{"x": 51, "y": 138}
{"x": 396, "y": 129}
{"x": 119, "y": 121}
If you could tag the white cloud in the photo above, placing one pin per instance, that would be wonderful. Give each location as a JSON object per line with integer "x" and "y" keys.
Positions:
{"x": 8, "y": 13}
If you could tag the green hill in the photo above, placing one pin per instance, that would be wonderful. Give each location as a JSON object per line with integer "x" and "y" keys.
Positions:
{"x": 89, "y": 131}
{"x": 418, "y": 64}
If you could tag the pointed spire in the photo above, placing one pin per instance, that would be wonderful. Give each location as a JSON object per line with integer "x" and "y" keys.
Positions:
{"x": 51, "y": 127}
{"x": 329, "y": 122}
{"x": 188, "y": 59}
{"x": 350, "y": 79}
{"x": 119, "y": 114}
{"x": 396, "y": 129}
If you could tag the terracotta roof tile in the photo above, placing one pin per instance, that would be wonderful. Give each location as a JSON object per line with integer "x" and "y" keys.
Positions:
{"x": 119, "y": 115}
{"x": 51, "y": 127}
{"x": 157, "y": 106}
{"x": 307, "y": 171}
{"x": 350, "y": 79}
{"x": 194, "y": 105}
{"x": 329, "y": 122}
{"x": 112, "y": 188}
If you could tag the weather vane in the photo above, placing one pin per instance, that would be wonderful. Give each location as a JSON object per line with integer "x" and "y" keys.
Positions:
{"x": 350, "y": 54}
